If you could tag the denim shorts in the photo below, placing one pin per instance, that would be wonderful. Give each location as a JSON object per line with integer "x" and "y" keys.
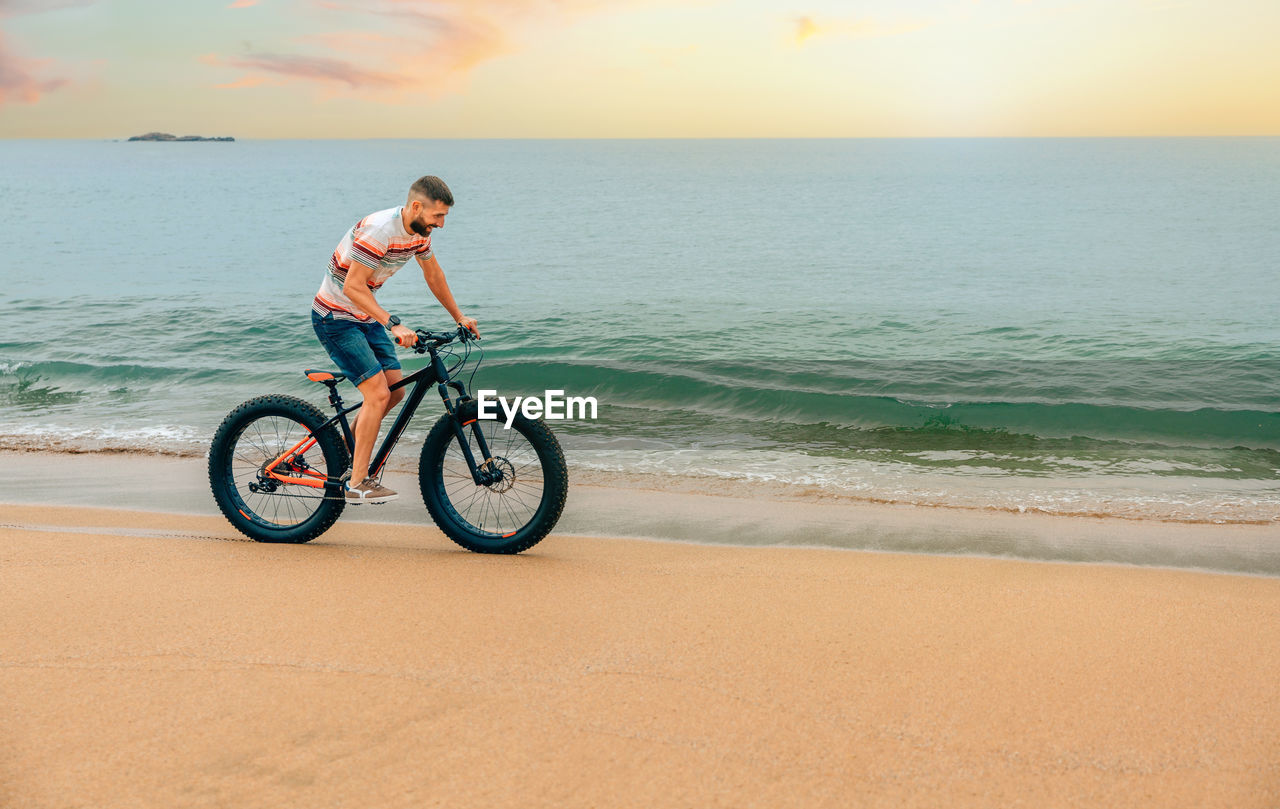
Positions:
{"x": 360, "y": 350}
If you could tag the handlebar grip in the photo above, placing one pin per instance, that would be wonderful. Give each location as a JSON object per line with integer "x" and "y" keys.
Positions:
{"x": 426, "y": 338}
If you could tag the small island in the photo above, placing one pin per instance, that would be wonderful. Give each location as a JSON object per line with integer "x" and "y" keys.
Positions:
{"x": 182, "y": 138}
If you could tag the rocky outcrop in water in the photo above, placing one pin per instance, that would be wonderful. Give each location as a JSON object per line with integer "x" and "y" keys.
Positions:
{"x": 185, "y": 138}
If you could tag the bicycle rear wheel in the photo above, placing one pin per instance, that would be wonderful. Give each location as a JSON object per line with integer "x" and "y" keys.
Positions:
{"x": 510, "y": 515}
{"x": 259, "y": 503}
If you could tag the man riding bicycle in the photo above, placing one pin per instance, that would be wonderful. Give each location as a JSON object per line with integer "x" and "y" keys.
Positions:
{"x": 353, "y": 328}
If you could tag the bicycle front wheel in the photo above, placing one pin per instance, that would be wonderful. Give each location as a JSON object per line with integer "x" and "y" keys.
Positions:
{"x": 267, "y": 466}
{"x": 507, "y": 516}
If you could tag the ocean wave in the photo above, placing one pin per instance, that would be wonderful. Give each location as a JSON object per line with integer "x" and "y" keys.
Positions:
{"x": 1135, "y": 495}
{"x": 987, "y": 421}
{"x": 808, "y": 408}
{"x": 179, "y": 441}
{"x": 86, "y": 376}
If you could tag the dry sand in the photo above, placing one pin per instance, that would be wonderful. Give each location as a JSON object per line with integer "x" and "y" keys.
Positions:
{"x": 148, "y": 661}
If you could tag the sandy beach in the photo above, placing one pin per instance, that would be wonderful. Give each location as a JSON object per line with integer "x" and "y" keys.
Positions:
{"x": 149, "y": 659}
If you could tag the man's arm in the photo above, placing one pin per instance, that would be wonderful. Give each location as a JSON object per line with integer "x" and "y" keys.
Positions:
{"x": 356, "y": 288}
{"x": 440, "y": 288}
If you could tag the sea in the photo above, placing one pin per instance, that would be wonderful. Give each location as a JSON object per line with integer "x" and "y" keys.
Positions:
{"x": 1062, "y": 326}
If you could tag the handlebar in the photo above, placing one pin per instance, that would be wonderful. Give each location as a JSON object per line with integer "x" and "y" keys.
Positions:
{"x": 427, "y": 340}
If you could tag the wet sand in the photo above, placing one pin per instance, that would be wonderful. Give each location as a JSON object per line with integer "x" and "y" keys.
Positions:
{"x": 149, "y": 659}
{"x": 699, "y": 510}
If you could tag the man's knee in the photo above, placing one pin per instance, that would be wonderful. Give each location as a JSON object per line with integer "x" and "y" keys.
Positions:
{"x": 375, "y": 392}
{"x": 392, "y": 376}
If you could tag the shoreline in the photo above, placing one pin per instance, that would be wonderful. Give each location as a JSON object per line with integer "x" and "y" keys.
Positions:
{"x": 162, "y": 662}
{"x": 961, "y": 499}
{"x": 768, "y": 517}
{"x": 159, "y": 525}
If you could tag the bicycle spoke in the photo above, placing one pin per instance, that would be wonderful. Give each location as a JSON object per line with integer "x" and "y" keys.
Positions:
{"x": 261, "y": 442}
{"x": 503, "y": 507}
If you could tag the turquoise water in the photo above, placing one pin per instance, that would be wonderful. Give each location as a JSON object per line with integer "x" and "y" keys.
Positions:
{"x": 1075, "y": 326}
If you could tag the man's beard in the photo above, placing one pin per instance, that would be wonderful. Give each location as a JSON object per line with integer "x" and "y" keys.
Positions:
{"x": 420, "y": 228}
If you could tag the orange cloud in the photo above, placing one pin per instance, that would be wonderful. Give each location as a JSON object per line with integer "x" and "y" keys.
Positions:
{"x": 806, "y": 28}
{"x": 243, "y": 4}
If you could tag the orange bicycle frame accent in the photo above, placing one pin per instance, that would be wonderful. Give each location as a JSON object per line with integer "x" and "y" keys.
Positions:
{"x": 313, "y": 479}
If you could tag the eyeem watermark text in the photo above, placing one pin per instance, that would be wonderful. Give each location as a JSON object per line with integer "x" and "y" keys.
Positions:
{"x": 554, "y": 406}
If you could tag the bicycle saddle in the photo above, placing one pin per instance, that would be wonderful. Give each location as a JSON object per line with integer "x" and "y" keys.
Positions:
{"x": 327, "y": 377}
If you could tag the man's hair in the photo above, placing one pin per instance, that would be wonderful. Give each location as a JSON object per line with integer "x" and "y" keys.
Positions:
{"x": 433, "y": 188}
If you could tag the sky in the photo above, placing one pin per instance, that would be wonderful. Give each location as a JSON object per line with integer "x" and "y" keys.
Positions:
{"x": 638, "y": 68}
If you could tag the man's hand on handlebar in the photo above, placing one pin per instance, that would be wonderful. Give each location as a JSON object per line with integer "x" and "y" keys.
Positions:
{"x": 404, "y": 336}
{"x": 427, "y": 340}
{"x": 469, "y": 323}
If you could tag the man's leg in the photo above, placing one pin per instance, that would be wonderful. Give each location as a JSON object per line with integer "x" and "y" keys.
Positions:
{"x": 364, "y": 353}
{"x": 393, "y": 376}
{"x": 377, "y": 397}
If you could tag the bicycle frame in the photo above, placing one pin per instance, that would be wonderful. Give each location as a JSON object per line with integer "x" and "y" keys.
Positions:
{"x": 485, "y": 473}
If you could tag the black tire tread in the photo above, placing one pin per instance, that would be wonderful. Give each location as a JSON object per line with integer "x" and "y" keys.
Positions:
{"x": 307, "y": 414}
{"x": 555, "y": 476}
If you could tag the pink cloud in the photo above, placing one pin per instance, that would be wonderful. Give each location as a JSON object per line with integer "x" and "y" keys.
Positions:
{"x": 18, "y": 80}
{"x": 247, "y": 81}
{"x": 12, "y": 8}
{"x": 323, "y": 69}
{"x": 433, "y": 44}
{"x": 433, "y": 38}
{"x": 450, "y": 49}
{"x": 243, "y": 4}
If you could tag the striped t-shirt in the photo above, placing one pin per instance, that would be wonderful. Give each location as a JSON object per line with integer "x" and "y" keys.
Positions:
{"x": 379, "y": 242}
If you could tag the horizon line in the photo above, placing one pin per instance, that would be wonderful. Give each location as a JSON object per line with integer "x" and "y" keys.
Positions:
{"x": 125, "y": 138}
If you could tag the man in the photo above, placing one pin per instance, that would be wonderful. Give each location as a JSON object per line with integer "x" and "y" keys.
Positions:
{"x": 353, "y": 327}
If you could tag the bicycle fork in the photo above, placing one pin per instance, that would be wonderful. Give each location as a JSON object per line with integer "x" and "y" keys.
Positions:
{"x": 487, "y": 472}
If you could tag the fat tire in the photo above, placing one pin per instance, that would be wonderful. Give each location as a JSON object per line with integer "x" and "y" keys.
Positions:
{"x": 221, "y": 481}
{"x": 555, "y": 476}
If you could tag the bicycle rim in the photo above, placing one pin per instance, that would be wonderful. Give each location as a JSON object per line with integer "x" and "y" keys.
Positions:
{"x": 260, "y": 442}
{"x": 501, "y": 509}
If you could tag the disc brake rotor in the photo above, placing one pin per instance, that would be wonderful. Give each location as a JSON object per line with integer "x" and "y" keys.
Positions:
{"x": 508, "y": 471}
